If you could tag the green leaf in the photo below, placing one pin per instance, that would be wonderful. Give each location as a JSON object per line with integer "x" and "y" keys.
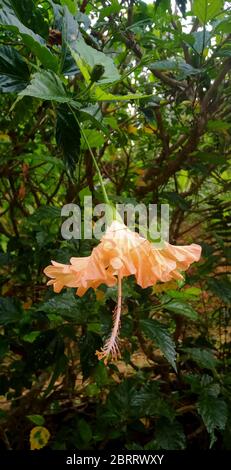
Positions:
{"x": 169, "y": 436}
{"x": 66, "y": 305}
{"x": 203, "y": 357}
{"x": 148, "y": 401}
{"x": 224, "y": 51}
{"x": 92, "y": 390}
{"x": 207, "y": 10}
{"x": 214, "y": 158}
{"x": 176, "y": 199}
{"x": 36, "y": 419}
{"x": 45, "y": 350}
{"x": 88, "y": 345}
{"x": 214, "y": 413}
{"x": 160, "y": 335}
{"x": 36, "y": 43}
{"x": 59, "y": 369}
{"x": 44, "y": 214}
{"x": 85, "y": 431}
{"x": 100, "y": 95}
{"x": 202, "y": 39}
{"x": 3, "y": 415}
{"x": 70, "y": 30}
{"x": 218, "y": 125}
{"x": 95, "y": 139}
{"x": 111, "y": 122}
{"x": 46, "y": 85}
{"x": 4, "y": 346}
{"x": 31, "y": 16}
{"x": 93, "y": 113}
{"x": 87, "y": 58}
{"x": 181, "y": 308}
{"x": 221, "y": 287}
{"x": 113, "y": 8}
{"x": 224, "y": 26}
{"x": 128, "y": 400}
{"x": 174, "y": 64}
{"x": 68, "y": 136}
{"x": 101, "y": 375}
{"x": 192, "y": 291}
{"x": 71, "y": 4}
{"x": 31, "y": 337}
{"x": 189, "y": 293}
{"x": 14, "y": 73}
{"x": 10, "y": 310}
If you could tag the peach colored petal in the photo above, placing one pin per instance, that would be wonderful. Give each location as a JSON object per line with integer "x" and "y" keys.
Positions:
{"x": 122, "y": 252}
{"x": 61, "y": 275}
{"x": 82, "y": 273}
{"x": 184, "y": 255}
{"x": 139, "y": 257}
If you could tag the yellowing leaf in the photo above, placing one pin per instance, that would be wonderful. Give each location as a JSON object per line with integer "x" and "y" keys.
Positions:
{"x": 197, "y": 107}
{"x": 139, "y": 171}
{"x": 100, "y": 95}
{"x": 39, "y": 437}
{"x": 132, "y": 129}
{"x": 140, "y": 182}
{"x": 27, "y": 304}
{"x": 99, "y": 295}
{"x": 149, "y": 129}
{"x": 82, "y": 67}
{"x": 86, "y": 61}
{"x": 158, "y": 288}
{"x": 183, "y": 180}
{"x": 4, "y": 138}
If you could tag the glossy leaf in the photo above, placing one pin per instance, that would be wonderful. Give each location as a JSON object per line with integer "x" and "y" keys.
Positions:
{"x": 95, "y": 139}
{"x": 14, "y": 73}
{"x": 31, "y": 16}
{"x": 159, "y": 334}
{"x": 88, "y": 345}
{"x": 71, "y": 4}
{"x": 66, "y": 305}
{"x": 202, "y": 40}
{"x": 214, "y": 413}
{"x": 100, "y": 95}
{"x": 203, "y": 357}
{"x": 181, "y": 308}
{"x": 175, "y": 65}
{"x": 36, "y": 43}
{"x": 87, "y": 58}
{"x": 4, "y": 346}
{"x": 207, "y": 10}
{"x": 36, "y": 419}
{"x": 10, "y": 311}
{"x": 68, "y": 136}
{"x": 46, "y": 85}
{"x": 169, "y": 436}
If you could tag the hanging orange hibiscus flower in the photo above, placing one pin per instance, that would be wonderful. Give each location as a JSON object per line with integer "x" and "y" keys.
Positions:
{"x": 122, "y": 253}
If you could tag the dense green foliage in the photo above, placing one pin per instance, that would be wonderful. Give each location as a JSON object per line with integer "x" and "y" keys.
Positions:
{"x": 150, "y": 85}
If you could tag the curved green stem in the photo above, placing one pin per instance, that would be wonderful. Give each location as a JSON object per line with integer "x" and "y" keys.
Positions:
{"x": 93, "y": 157}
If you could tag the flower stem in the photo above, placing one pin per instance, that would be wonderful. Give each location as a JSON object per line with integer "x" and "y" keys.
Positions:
{"x": 93, "y": 158}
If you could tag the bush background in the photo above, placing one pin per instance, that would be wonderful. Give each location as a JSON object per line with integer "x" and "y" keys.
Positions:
{"x": 170, "y": 143}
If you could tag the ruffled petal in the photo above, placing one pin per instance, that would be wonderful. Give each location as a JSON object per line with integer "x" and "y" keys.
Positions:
{"x": 122, "y": 253}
